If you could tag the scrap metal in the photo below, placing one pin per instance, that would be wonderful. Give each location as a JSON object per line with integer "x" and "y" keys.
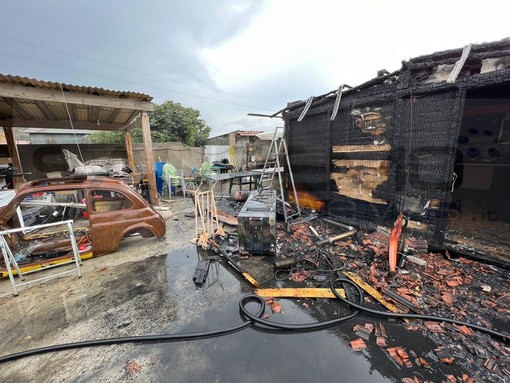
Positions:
{"x": 234, "y": 265}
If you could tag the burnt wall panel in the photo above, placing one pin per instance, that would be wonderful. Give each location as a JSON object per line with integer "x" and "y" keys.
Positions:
{"x": 362, "y": 160}
{"x": 308, "y": 143}
{"x": 380, "y": 149}
{"x": 424, "y": 152}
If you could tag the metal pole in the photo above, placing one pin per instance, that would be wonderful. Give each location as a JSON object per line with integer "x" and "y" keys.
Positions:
{"x": 8, "y": 266}
{"x": 76, "y": 252}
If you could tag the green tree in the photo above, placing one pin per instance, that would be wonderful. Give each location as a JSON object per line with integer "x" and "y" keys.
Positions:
{"x": 170, "y": 122}
{"x": 107, "y": 137}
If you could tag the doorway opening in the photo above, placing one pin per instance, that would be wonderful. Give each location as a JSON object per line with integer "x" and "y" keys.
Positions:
{"x": 479, "y": 214}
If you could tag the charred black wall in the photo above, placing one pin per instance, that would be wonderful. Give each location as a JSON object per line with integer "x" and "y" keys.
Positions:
{"x": 394, "y": 142}
{"x": 424, "y": 153}
{"x": 352, "y": 135}
{"x": 408, "y": 148}
{"x": 309, "y": 154}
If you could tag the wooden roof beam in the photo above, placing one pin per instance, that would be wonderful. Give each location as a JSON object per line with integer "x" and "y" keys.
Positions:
{"x": 37, "y": 94}
{"x": 20, "y": 123}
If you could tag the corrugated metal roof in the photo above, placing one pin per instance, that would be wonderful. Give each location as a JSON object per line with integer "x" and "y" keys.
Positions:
{"x": 249, "y": 133}
{"x": 55, "y": 131}
{"x": 25, "y": 81}
{"x": 26, "y": 102}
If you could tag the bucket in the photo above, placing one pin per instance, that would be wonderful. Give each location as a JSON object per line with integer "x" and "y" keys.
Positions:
{"x": 158, "y": 168}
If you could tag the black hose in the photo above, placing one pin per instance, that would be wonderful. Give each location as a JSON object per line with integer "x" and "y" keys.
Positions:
{"x": 494, "y": 333}
{"x": 129, "y": 339}
{"x": 252, "y": 319}
{"x": 293, "y": 327}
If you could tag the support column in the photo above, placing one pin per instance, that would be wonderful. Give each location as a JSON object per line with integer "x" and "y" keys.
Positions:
{"x": 14, "y": 154}
{"x": 149, "y": 155}
{"x": 129, "y": 150}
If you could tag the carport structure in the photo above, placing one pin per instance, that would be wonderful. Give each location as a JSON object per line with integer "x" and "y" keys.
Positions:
{"x": 26, "y": 102}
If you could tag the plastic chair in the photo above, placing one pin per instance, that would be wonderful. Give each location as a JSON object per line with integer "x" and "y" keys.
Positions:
{"x": 205, "y": 171}
{"x": 170, "y": 177}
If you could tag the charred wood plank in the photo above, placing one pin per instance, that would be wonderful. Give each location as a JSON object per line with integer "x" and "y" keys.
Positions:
{"x": 201, "y": 272}
{"x": 359, "y": 178}
{"x": 361, "y": 148}
{"x": 304, "y": 292}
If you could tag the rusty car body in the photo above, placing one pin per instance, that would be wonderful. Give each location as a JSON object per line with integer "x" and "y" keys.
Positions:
{"x": 113, "y": 210}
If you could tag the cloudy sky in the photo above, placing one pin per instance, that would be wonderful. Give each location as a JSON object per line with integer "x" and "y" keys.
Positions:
{"x": 228, "y": 58}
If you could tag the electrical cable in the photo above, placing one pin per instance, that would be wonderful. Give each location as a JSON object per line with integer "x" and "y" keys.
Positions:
{"x": 71, "y": 121}
{"x": 124, "y": 81}
{"x": 505, "y": 337}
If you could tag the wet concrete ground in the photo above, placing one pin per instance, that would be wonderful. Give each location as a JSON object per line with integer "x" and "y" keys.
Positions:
{"x": 158, "y": 296}
{"x": 137, "y": 292}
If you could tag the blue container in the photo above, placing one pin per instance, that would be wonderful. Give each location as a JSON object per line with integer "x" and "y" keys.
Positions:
{"x": 158, "y": 168}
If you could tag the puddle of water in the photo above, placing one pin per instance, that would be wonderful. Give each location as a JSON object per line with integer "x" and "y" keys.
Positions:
{"x": 257, "y": 355}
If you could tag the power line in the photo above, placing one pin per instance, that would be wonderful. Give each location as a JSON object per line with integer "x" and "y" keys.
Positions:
{"x": 125, "y": 68}
{"x": 132, "y": 82}
{"x": 116, "y": 43}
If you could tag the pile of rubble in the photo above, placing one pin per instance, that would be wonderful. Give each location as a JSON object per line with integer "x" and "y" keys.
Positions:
{"x": 314, "y": 250}
{"x": 430, "y": 283}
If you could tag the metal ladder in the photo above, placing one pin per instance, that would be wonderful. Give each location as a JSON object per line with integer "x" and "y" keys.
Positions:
{"x": 273, "y": 167}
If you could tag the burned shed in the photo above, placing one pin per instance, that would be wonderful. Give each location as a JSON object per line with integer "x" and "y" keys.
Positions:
{"x": 431, "y": 140}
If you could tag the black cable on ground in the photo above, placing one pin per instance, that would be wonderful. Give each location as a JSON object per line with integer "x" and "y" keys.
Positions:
{"x": 504, "y": 337}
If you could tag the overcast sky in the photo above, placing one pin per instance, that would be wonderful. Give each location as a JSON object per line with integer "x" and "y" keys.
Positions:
{"x": 229, "y": 58}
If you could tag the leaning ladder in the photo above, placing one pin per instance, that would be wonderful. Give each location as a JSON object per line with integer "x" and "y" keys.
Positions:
{"x": 273, "y": 167}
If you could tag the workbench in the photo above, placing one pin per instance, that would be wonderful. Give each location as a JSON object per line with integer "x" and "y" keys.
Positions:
{"x": 253, "y": 180}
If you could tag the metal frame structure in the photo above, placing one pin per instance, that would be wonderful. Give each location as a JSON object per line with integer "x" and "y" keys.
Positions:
{"x": 9, "y": 257}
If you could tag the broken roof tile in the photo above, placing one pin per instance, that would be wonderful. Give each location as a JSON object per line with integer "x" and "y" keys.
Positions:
{"x": 434, "y": 327}
{"x": 276, "y": 307}
{"x": 410, "y": 380}
{"x": 467, "y": 379}
{"x": 488, "y": 303}
{"x": 490, "y": 364}
{"x": 399, "y": 355}
{"x": 358, "y": 344}
{"x": 444, "y": 355}
{"x": 464, "y": 330}
{"x": 448, "y": 298}
{"x": 363, "y": 331}
{"x": 380, "y": 341}
{"x": 422, "y": 362}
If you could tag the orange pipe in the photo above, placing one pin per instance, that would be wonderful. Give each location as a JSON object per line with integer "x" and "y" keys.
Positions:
{"x": 394, "y": 239}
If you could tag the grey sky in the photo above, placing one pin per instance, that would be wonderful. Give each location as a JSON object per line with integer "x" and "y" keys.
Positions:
{"x": 228, "y": 58}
